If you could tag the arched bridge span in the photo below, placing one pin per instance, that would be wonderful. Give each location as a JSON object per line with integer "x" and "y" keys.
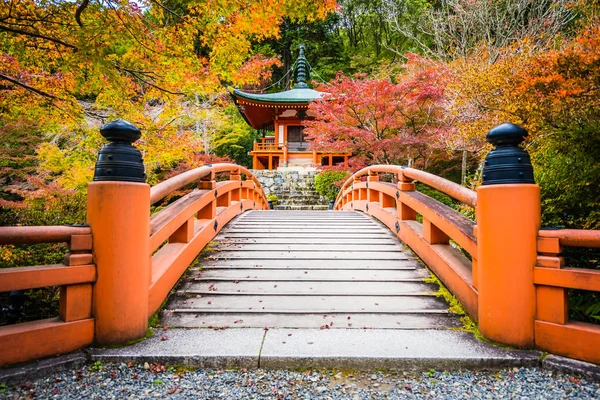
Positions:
{"x": 507, "y": 272}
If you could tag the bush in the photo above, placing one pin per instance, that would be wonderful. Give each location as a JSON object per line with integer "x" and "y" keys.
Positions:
{"x": 328, "y": 183}
{"x": 273, "y": 198}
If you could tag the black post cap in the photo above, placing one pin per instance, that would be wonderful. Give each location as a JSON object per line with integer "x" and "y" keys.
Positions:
{"x": 120, "y": 130}
{"x": 507, "y": 162}
{"x": 119, "y": 160}
{"x": 331, "y": 204}
{"x": 507, "y": 134}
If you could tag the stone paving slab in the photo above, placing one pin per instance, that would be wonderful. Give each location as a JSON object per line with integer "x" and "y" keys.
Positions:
{"x": 314, "y": 348}
{"x": 232, "y": 319}
{"x": 199, "y": 348}
{"x": 385, "y": 349}
{"x": 41, "y": 368}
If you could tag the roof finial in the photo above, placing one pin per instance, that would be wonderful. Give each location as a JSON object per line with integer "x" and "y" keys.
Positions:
{"x": 302, "y": 70}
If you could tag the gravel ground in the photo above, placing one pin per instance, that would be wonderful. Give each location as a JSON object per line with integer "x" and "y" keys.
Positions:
{"x": 149, "y": 381}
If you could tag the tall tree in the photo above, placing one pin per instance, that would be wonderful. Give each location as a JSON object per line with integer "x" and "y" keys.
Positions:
{"x": 379, "y": 121}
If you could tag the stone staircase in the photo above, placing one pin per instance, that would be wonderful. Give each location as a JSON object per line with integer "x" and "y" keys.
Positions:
{"x": 294, "y": 188}
{"x": 307, "y": 269}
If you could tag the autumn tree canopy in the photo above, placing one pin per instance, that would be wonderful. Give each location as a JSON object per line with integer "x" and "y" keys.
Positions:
{"x": 67, "y": 67}
{"x": 381, "y": 122}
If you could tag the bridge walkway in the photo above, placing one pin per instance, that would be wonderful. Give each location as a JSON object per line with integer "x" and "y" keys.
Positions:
{"x": 307, "y": 269}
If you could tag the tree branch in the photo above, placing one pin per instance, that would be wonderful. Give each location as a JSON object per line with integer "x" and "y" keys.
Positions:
{"x": 80, "y": 10}
{"x": 23, "y": 85}
{"x": 37, "y": 35}
{"x": 138, "y": 77}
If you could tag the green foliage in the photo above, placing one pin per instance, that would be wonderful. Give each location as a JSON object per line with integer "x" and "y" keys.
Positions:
{"x": 97, "y": 366}
{"x": 235, "y": 139}
{"x": 437, "y": 195}
{"x": 583, "y": 305}
{"x": 328, "y": 183}
{"x": 273, "y": 198}
{"x": 568, "y": 172}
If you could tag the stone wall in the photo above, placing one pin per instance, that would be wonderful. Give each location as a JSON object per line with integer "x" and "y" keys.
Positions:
{"x": 294, "y": 188}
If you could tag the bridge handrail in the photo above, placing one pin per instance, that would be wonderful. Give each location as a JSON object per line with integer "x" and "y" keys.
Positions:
{"x": 573, "y": 237}
{"x": 74, "y": 326}
{"x": 40, "y": 234}
{"x": 554, "y": 331}
{"x": 452, "y": 189}
{"x": 507, "y": 245}
{"x": 163, "y": 189}
{"x": 397, "y": 206}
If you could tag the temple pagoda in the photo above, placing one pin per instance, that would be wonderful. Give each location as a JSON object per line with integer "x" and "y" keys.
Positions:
{"x": 279, "y": 116}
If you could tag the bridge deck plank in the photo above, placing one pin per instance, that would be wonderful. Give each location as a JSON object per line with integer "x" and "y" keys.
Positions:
{"x": 299, "y": 269}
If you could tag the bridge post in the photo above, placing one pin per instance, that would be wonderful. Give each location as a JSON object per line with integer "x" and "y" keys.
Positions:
{"x": 403, "y": 211}
{"x": 508, "y": 221}
{"x": 118, "y": 213}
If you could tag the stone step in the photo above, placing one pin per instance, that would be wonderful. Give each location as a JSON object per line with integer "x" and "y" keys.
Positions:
{"x": 304, "y": 240}
{"x": 224, "y": 246}
{"x": 371, "y": 265}
{"x": 297, "y": 207}
{"x": 292, "y": 288}
{"x": 323, "y": 255}
{"x": 195, "y": 319}
{"x": 296, "y": 304}
{"x": 307, "y": 275}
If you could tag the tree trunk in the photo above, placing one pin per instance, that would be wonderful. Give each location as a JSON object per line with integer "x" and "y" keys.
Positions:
{"x": 463, "y": 175}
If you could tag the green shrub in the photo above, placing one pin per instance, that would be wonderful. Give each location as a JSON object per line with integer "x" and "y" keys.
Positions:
{"x": 273, "y": 198}
{"x": 328, "y": 183}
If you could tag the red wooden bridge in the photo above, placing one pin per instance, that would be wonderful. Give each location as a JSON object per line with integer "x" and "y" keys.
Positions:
{"x": 271, "y": 268}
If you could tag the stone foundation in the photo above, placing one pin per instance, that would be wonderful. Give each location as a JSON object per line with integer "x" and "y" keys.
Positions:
{"x": 294, "y": 188}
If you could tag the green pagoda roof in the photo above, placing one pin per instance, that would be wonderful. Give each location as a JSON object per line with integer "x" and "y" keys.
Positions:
{"x": 300, "y": 94}
{"x": 295, "y": 96}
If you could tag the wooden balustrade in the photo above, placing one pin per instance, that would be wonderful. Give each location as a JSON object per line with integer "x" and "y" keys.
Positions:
{"x": 191, "y": 222}
{"x": 74, "y": 327}
{"x": 508, "y": 291}
{"x": 268, "y": 146}
{"x": 554, "y": 331}
{"x": 138, "y": 258}
{"x": 397, "y": 206}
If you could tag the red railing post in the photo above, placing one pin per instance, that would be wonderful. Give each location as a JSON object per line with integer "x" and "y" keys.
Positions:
{"x": 404, "y": 212}
{"x": 118, "y": 214}
{"x": 508, "y": 220}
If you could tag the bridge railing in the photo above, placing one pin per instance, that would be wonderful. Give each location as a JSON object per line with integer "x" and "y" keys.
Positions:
{"x": 507, "y": 272}
{"x": 554, "y": 331}
{"x": 141, "y": 257}
{"x": 191, "y": 222}
{"x": 122, "y": 265}
{"x": 397, "y": 206}
{"x": 74, "y": 327}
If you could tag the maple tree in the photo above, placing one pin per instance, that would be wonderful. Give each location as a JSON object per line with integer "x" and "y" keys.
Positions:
{"x": 379, "y": 121}
{"x": 554, "y": 94}
{"x": 68, "y": 67}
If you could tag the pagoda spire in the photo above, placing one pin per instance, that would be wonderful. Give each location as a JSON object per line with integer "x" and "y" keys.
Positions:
{"x": 302, "y": 70}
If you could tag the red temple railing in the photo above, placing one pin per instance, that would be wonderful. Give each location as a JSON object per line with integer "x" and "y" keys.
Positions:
{"x": 108, "y": 297}
{"x": 530, "y": 281}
